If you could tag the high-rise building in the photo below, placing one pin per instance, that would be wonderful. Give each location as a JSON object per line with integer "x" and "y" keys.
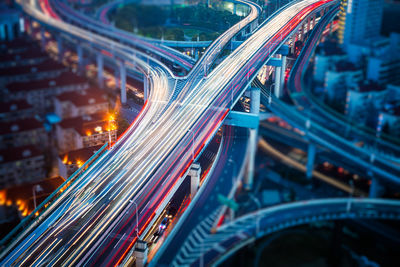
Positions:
{"x": 360, "y": 20}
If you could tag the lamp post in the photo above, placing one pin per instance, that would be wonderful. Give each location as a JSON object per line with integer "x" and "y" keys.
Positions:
{"x": 137, "y": 220}
{"x": 36, "y": 188}
{"x": 190, "y": 131}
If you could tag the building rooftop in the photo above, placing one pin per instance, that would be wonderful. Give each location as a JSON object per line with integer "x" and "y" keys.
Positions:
{"x": 370, "y": 86}
{"x": 64, "y": 79}
{"x": 85, "y": 97}
{"x": 18, "y": 45}
{"x": 79, "y": 156}
{"x": 329, "y": 48}
{"x": 14, "y": 106}
{"x": 25, "y": 54}
{"x": 88, "y": 124}
{"x": 22, "y": 195}
{"x": 343, "y": 65}
{"x": 46, "y": 65}
{"x": 18, "y": 153}
{"x": 19, "y": 126}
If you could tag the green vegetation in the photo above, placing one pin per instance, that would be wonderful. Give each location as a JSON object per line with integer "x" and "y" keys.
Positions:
{"x": 182, "y": 23}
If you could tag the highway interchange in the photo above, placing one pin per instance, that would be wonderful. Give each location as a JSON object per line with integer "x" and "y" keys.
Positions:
{"x": 97, "y": 220}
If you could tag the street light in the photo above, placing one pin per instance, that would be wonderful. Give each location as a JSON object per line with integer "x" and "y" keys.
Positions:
{"x": 36, "y": 188}
{"x": 190, "y": 131}
{"x": 137, "y": 220}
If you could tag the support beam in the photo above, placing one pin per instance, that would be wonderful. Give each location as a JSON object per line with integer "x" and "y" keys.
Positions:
{"x": 242, "y": 119}
{"x": 274, "y": 62}
{"x": 122, "y": 74}
{"x": 42, "y": 38}
{"x": 310, "y": 160}
{"x": 234, "y": 9}
{"x": 284, "y": 51}
{"x": 100, "y": 63}
{"x": 194, "y": 173}
{"x": 255, "y": 110}
{"x": 277, "y": 86}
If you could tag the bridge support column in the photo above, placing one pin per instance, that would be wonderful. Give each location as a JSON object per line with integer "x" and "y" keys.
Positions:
{"x": 194, "y": 173}
{"x": 310, "y": 160}
{"x": 314, "y": 21}
{"x": 79, "y": 52}
{"x": 375, "y": 189}
{"x": 234, "y": 9}
{"x": 122, "y": 74}
{"x": 308, "y": 24}
{"x": 99, "y": 61}
{"x": 254, "y": 109}
{"x": 42, "y": 38}
{"x": 284, "y": 51}
{"x": 140, "y": 253}
{"x": 301, "y": 33}
{"x": 277, "y": 86}
{"x": 60, "y": 48}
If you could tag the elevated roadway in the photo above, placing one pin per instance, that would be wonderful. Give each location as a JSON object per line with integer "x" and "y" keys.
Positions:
{"x": 98, "y": 220}
{"x": 212, "y": 249}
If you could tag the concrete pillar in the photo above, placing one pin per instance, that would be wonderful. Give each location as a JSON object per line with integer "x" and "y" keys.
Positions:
{"x": 277, "y": 87}
{"x": 99, "y": 61}
{"x": 314, "y": 20}
{"x": 79, "y": 52}
{"x": 194, "y": 173}
{"x": 60, "y": 48}
{"x": 375, "y": 189}
{"x": 301, "y": 33}
{"x": 42, "y": 37}
{"x": 310, "y": 160}
{"x": 293, "y": 44}
{"x": 234, "y": 8}
{"x": 141, "y": 251}
{"x": 255, "y": 100}
{"x": 255, "y": 109}
{"x": 308, "y": 24}
{"x": 10, "y": 30}
{"x": 122, "y": 74}
{"x": 2, "y": 32}
{"x": 283, "y": 69}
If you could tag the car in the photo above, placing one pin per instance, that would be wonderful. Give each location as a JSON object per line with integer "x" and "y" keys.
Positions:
{"x": 163, "y": 225}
